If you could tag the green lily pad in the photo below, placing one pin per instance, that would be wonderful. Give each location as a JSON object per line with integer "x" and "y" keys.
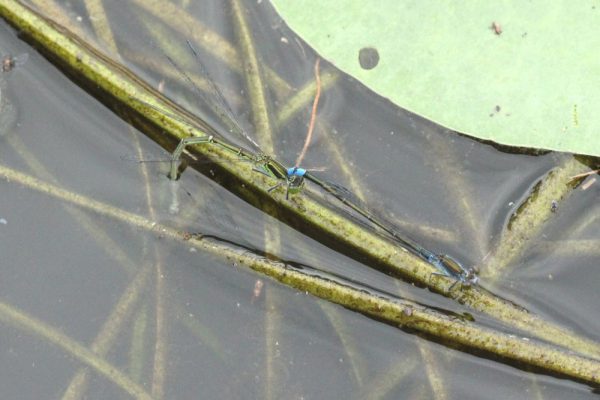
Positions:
{"x": 518, "y": 73}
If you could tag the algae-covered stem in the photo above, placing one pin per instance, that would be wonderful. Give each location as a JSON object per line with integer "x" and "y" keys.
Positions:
{"x": 395, "y": 311}
{"x": 122, "y": 85}
{"x": 125, "y": 87}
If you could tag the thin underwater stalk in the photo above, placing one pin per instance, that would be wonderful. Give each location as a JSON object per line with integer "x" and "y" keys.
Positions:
{"x": 212, "y": 42}
{"x": 138, "y": 345}
{"x": 253, "y": 76}
{"x": 303, "y": 211}
{"x": 18, "y": 318}
{"x": 106, "y": 338}
{"x": 395, "y": 311}
{"x": 101, "y": 25}
{"x": 114, "y": 324}
{"x": 261, "y": 113}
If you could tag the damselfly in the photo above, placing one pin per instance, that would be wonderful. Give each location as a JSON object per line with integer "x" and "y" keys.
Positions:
{"x": 293, "y": 178}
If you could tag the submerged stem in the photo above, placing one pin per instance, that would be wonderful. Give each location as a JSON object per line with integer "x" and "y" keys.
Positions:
{"x": 394, "y": 311}
{"x": 304, "y": 212}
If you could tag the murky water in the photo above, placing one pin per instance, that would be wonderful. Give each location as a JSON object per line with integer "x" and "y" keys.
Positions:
{"x": 194, "y": 325}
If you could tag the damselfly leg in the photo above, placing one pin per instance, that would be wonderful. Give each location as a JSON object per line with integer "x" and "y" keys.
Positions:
{"x": 175, "y": 157}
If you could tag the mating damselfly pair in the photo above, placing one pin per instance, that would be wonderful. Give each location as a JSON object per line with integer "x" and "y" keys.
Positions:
{"x": 293, "y": 178}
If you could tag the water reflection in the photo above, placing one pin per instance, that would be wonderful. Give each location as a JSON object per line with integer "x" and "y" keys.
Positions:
{"x": 194, "y": 324}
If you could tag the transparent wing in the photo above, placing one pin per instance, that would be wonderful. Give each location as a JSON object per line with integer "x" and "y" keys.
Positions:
{"x": 213, "y": 97}
{"x": 352, "y": 201}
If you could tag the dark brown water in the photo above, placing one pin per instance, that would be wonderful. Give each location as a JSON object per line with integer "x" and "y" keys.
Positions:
{"x": 222, "y": 334}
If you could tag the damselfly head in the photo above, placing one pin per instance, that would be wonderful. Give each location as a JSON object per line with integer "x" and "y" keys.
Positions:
{"x": 470, "y": 277}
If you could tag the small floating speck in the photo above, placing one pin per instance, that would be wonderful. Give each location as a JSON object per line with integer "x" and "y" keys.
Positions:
{"x": 3, "y": 221}
{"x": 497, "y": 28}
{"x": 9, "y": 62}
